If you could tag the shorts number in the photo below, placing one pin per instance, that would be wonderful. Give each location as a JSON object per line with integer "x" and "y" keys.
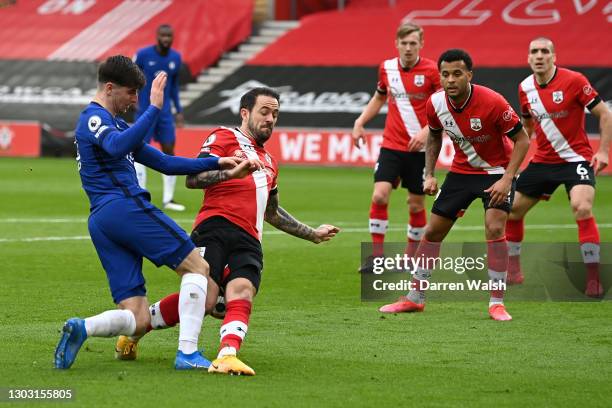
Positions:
{"x": 582, "y": 172}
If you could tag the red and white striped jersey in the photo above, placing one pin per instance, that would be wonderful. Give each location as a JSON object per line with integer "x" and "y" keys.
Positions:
{"x": 240, "y": 201}
{"x": 408, "y": 91}
{"x": 480, "y": 129}
{"x": 557, "y": 109}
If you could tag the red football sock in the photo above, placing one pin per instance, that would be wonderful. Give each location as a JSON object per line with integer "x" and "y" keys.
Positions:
{"x": 164, "y": 313}
{"x": 416, "y": 228}
{"x": 378, "y": 227}
{"x": 588, "y": 235}
{"x": 497, "y": 252}
{"x": 235, "y": 326}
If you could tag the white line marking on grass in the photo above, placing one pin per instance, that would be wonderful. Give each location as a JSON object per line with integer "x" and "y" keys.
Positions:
{"x": 344, "y": 230}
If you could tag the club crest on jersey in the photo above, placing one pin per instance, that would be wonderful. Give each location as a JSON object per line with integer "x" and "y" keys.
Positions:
{"x": 475, "y": 124}
{"x": 419, "y": 80}
{"x": 171, "y": 65}
{"x": 557, "y": 96}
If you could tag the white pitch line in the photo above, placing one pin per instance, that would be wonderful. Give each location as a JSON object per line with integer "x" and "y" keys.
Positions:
{"x": 344, "y": 230}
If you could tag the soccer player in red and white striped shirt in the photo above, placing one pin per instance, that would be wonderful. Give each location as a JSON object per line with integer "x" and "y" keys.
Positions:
{"x": 405, "y": 82}
{"x": 552, "y": 102}
{"x": 482, "y": 125}
{"x": 229, "y": 226}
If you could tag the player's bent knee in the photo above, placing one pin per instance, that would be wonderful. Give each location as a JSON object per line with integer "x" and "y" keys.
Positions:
{"x": 194, "y": 263}
{"x": 380, "y": 199}
{"x": 582, "y": 211}
{"x": 495, "y": 231}
{"x": 240, "y": 289}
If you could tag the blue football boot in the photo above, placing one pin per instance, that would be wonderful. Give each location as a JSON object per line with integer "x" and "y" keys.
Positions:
{"x": 73, "y": 337}
{"x": 193, "y": 361}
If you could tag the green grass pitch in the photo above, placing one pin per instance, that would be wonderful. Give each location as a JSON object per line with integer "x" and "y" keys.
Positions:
{"x": 311, "y": 340}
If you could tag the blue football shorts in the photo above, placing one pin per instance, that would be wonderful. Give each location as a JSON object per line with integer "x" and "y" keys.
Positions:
{"x": 124, "y": 231}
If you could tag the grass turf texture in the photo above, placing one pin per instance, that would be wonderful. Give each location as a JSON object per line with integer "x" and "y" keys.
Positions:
{"x": 311, "y": 340}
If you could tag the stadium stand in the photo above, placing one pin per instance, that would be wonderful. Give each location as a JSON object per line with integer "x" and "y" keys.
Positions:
{"x": 325, "y": 65}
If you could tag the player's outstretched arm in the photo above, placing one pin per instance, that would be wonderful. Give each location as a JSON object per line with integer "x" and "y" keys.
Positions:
{"x": 281, "y": 219}
{"x": 176, "y": 165}
{"x": 600, "y": 160}
{"x": 231, "y": 168}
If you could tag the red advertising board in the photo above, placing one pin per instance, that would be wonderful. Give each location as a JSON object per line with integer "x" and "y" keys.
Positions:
{"x": 323, "y": 147}
{"x": 19, "y": 139}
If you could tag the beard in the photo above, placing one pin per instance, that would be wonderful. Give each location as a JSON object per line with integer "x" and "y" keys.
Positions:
{"x": 261, "y": 135}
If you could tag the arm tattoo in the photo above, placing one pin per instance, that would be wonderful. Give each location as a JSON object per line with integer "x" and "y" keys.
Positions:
{"x": 281, "y": 219}
{"x": 432, "y": 151}
{"x": 206, "y": 178}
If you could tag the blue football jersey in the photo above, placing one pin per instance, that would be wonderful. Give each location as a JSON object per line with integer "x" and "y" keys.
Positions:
{"x": 107, "y": 148}
{"x": 104, "y": 176}
{"x": 151, "y": 62}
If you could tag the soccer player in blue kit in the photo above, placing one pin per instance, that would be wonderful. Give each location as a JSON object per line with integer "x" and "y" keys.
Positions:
{"x": 151, "y": 60}
{"x": 125, "y": 226}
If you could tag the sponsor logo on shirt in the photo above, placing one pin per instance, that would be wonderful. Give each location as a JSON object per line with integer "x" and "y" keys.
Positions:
{"x": 471, "y": 139}
{"x": 548, "y": 115}
{"x": 151, "y": 63}
{"x": 557, "y": 96}
{"x": 408, "y": 95}
{"x": 240, "y": 154}
{"x": 587, "y": 90}
{"x": 507, "y": 115}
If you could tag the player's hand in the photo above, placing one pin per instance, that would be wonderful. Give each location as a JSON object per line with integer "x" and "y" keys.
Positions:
{"x": 599, "y": 161}
{"x": 228, "y": 163}
{"x": 499, "y": 191}
{"x": 324, "y": 233}
{"x": 418, "y": 141}
{"x": 179, "y": 119}
{"x": 358, "y": 135}
{"x": 245, "y": 168}
{"x": 430, "y": 185}
{"x": 157, "y": 89}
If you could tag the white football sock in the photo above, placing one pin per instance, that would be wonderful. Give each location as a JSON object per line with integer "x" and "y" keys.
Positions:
{"x": 141, "y": 174}
{"x": 192, "y": 303}
{"x": 111, "y": 323}
{"x": 169, "y": 184}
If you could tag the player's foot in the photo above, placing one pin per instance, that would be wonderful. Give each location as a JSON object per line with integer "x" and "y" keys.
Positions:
{"x": 231, "y": 365}
{"x": 126, "y": 349}
{"x": 515, "y": 275}
{"x": 73, "y": 337}
{"x": 174, "y": 206}
{"x": 594, "y": 288}
{"x": 498, "y": 312}
{"x": 403, "y": 305}
{"x": 368, "y": 265}
{"x": 193, "y": 361}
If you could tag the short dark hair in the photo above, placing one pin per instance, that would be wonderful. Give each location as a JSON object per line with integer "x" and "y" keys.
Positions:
{"x": 122, "y": 71}
{"x": 455, "y": 54}
{"x": 163, "y": 27}
{"x": 248, "y": 99}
